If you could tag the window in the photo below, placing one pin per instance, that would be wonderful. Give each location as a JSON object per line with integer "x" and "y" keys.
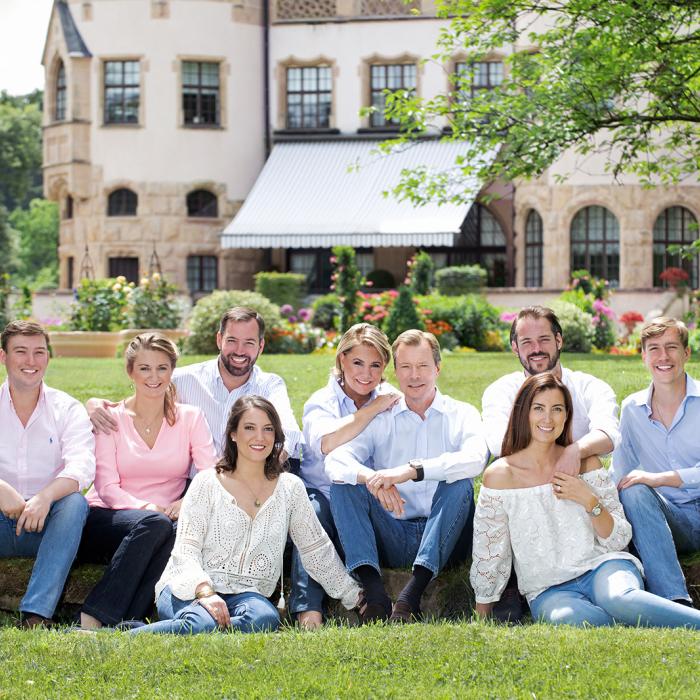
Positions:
{"x": 122, "y": 92}
{"x": 200, "y": 93}
{"x": 675, "y": 225}
{"x": 68, "y": 209}
{"x": 59, "y": 112}
{"x": 315, "y": 264}
{"x": 309, "y": 97}
{"x": 122, "y": 202}
{"x": 202, "y": 273}
{"x": 485, "y": 75}
{"x": 533, "y": 250}
{"x": 70, "y": 272}
{"x": 388, "y": 77}
{"x": 595, "y": 243}
{"x": 202, "y": 204}
{"x": 364, "y": 262}
{"x": 127, "y": 267}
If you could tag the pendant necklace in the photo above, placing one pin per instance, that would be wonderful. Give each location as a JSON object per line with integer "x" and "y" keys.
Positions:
{"x": 257, "y": 501}
{"x": 147, "y": 426}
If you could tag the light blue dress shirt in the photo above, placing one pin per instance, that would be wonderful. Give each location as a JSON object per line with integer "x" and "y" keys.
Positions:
{"x": 647, "y": 444}
{"x": 449, "y": 441}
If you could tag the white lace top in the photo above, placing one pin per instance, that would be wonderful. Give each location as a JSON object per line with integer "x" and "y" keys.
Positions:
{"x": 218, "y": 543}
{"x": 549, "y": 541}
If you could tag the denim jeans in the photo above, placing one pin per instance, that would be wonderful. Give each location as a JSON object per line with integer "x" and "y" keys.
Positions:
{"x": 250, "y": 612}
{"x": 661, "y": 529}
{"x": 609, "y": 594}
{"x": 306, "y": 593}
{"x": 370, "y": 536}
{"x": 136, "y": 545}
{"x": 54, "y": 547}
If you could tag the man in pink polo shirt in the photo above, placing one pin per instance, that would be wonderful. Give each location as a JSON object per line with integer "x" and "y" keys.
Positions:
{"x": 46, "y": 457}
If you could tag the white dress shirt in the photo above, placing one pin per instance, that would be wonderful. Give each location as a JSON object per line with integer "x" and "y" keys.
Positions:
{"x": 201, "y": 385}
{"x": 595, "y": 406}
{"x": 449, "y": 442}
{"x": 56, "y": 442}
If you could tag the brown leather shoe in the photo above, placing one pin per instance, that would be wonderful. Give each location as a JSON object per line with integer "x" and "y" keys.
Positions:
{"x": 33, "y": 621}
{"x": 402, "y": 613}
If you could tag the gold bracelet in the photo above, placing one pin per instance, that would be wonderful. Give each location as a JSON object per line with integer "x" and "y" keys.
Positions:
{"x": 204, "y": 592}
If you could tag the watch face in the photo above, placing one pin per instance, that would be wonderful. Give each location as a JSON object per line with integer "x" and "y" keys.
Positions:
{"x": 596, "y": 510}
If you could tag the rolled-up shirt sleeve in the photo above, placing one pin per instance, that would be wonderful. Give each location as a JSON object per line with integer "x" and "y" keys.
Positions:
{"x": 602, "y": 408}
{"x": 466, "y": 462}
{"x": 318, "y": 422}
{"x": 345, "y": 463}
{"x": 77, "y": 446}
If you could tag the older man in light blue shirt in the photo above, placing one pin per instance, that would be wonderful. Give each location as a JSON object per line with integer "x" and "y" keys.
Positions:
{"x": 657, "y": 465}
{"x": 402, "y": 493}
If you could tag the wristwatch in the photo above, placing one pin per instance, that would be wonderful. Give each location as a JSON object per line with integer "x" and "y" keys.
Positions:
{"x": 596, "y": 510}
{"x": 418, "y": 466}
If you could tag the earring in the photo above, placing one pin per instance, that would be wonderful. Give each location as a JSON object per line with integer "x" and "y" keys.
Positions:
{"x": 341, "y": 378}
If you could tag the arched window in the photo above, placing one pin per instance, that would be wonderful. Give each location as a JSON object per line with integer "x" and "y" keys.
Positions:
{"x": 59, "y": 111}
{"x": 484, "y": 243}
{"x": 595, "y": 243}
{"x": 202, "y": 203}
{"x": 675, "y": 225}
{"x": 533, "y": 250}
{"x": 122, "y": 202}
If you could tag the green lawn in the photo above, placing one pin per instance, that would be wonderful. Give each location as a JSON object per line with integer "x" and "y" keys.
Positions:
{"x": 439, "y": 660}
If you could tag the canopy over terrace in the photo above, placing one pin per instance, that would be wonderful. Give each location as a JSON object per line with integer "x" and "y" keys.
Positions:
{"x": 314, "y": 195}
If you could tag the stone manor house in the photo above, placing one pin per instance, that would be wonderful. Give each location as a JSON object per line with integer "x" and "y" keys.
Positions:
{"x": 222, "y": 134}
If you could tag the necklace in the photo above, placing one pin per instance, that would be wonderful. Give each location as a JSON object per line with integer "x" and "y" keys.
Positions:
{"x": 147, "y": 426}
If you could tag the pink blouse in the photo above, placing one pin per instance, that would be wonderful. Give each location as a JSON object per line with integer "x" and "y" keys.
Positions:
{"x": 129, "y": 474}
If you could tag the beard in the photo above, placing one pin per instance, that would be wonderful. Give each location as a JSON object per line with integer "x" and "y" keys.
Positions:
{"x": 237, "y": 370}
{"x": 532, "y": 370}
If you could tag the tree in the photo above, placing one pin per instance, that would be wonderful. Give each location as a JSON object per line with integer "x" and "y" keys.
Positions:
{"x": 403, "y": 315}
{"x": 620, "y": 77}
{"x": 6, "y": 244}
{"x": 37, "y": 235}
{"x": 20, "y": 149}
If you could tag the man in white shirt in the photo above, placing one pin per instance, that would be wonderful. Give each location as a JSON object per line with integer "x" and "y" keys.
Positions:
{"x": 47, "y": 455}
{"x": 215, "y": 385}
{"x": 402, "y": 492}
{"x": 536, "y": 339}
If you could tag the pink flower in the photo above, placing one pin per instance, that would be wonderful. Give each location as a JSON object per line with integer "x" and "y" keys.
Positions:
{"x": 286, "y": 309}
{"x": 305, "y": 314}
{"x": 508, "y": 316}
{"x": 369, "y": 283}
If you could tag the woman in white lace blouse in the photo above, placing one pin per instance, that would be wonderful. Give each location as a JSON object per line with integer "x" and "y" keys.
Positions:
{"x": 233, "y": 527}
{"x": 565, "y": 535}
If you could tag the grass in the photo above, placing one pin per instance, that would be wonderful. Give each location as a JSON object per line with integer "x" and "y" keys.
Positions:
{"x": 440, "y": 660}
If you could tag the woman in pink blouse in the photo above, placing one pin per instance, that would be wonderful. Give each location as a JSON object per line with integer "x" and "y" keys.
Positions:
{"x": 141, "y": 474}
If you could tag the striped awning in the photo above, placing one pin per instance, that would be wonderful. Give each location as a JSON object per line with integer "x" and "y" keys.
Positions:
{"x": 325, "y": 193}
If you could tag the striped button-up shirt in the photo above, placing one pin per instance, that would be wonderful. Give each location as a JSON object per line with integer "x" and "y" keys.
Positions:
{"x": 201, "y": 385}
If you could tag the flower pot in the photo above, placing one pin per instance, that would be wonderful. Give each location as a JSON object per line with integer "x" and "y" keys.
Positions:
{"x": 84, "y": 343}
{"x": 173, "y": 334}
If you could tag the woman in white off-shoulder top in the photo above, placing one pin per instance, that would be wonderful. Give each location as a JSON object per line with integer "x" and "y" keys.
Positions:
{"x": 233, "y": 528}
{"x": 565, "y": 535}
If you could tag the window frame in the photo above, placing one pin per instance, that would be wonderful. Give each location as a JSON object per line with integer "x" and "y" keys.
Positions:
{"x": 674, "y": 259}
{"x": 534, "y": 250}
{"x": 377, "y": 120}
{"x": 302, "y": 92}
{"x": 123, "y": 86}
{"x": 587, "y": 241}
{"x": 60, "y": 100}
{"x": 124, "y": 265}
{"x": 125, "y": 208}
{"x": 199, "y": 87}
{"x": 198, "y": 213}
{"x": 201, "y": 273}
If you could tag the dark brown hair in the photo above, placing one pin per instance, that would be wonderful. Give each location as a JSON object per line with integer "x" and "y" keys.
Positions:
{"x": 227, "y": 463}
{"x": 518, "y": 435}
{"x": 158, "y": 343}
{"x": 21, "y": 328}
{"x": 536, "y": 312}
{"x": 242, "y": 314}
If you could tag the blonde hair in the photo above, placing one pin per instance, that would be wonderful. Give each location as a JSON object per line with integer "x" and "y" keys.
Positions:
{"x": 659, "y": 325}
{"x": 158, "y": 343}
{"x": 362, "y": 334}
{"x": 416, "y": 337}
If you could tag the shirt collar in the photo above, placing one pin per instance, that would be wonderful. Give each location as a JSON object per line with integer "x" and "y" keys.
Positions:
{"x": 342, "y": 397}
{"x": 438, "y": 404}
{"x": 6, "y": 397}
{"x": 215, "y": 374}
{"x": 643, "y": 398}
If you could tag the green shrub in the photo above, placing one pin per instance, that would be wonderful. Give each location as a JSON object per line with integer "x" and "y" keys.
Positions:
{"x": 326, "y": 311}
{"x": 281, "y": 287}
{"x": 463, "y": 279}
{"x": 347, "y": 281}
{"x": 207, "y": 313}
{"x": 5, "y": 290}
{"x": 694, "y": 340}
{"x": 421, "y": 270}
{"x": 153, "y": 304}
{"x": 101, "y": 305}
{"x": 470, "y": 316}
{"x": 576, "y": 325}
{"x": 403, "y": 315}
{"x": 380, "y": 279}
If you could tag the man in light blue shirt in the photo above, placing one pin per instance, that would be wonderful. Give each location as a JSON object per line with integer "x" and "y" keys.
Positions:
{"x": 415, "y": 504}
{"x": 657, "y": 465}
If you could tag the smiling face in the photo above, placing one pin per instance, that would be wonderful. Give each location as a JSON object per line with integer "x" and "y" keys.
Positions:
{"x": 254, "y": 436}
{"x": 151, "y": 373}
{"x": 362, "y": 368}
{"x": 240, "y": 346}
{"x": 25, "y": 360}
{"x": 536, "y": 345}
{"x": 547, "y": 415}
{"x": 665, "y": 357}
{"x": 416, "y": 372}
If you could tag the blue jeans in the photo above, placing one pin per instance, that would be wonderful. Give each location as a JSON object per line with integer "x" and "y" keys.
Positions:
{"x": 136, "y": 545}
{"x": 54, "y": 547}
{"x": 660, "y": 529}
{"x": 250, "y": 612}
{"x": 612, "y": 593}
{"x": 370, "y": 536}
{"x": 308, "y": 594}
